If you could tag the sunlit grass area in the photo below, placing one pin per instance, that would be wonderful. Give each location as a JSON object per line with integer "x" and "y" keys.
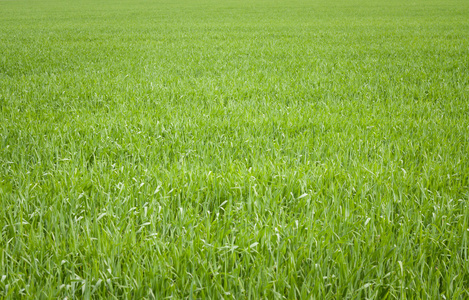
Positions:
{"x": 234, "y": 149}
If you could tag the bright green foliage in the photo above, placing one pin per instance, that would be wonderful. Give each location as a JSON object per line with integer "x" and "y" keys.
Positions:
{"x": 234, "y": 149}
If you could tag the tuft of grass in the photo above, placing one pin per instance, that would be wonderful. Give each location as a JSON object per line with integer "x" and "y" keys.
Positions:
{"x": 234, "y": 149}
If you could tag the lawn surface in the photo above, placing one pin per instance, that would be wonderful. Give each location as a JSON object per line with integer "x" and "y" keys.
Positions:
{"x": 234, "y": 149}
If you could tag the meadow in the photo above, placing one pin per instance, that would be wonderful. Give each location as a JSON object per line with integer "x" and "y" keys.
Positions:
{"x": 234, "y": 149}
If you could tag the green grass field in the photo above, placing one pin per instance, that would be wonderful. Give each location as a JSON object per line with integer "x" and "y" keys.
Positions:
{"x": 234, "y": 149}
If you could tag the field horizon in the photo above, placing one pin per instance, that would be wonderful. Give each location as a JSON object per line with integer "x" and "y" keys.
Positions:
{"x": 234, "y": 149}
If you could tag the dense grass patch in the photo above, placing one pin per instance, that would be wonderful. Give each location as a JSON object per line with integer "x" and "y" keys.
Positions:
{"x": 234, "y": 149}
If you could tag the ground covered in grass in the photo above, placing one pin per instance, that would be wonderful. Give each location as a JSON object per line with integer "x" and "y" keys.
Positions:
{"x": 234, "y": 149}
